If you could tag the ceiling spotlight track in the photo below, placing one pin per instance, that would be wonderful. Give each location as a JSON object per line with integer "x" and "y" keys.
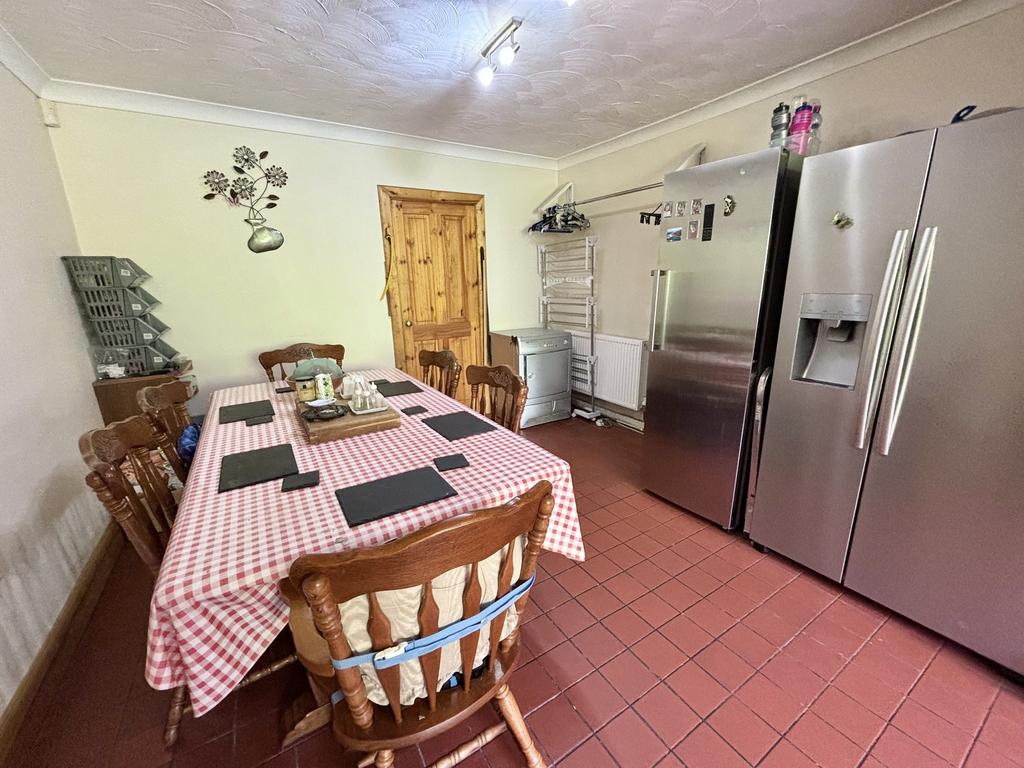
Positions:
{"x": 507, "y": 32}
{"x": 504, "y": 44}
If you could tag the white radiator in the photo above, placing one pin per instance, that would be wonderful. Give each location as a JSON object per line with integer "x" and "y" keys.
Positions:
{"x": 617, "y": 371}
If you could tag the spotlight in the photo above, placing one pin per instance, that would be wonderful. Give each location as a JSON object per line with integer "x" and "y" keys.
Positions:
{"x": 508, "y": 54}
{"x": 485, "y": 74}
{"x": 502, "y": 45}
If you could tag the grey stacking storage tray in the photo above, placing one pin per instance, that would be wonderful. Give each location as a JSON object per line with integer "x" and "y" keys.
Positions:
{"x": 98, "y": 303}
{"x": 117, "y": 315}
{"x": 153, "y": 358}
{"x": 103, "y": 272}
{"x": 128, "y": 331}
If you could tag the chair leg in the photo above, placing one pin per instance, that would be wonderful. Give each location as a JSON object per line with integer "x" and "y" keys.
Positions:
{"x": 509, "y": 709}
{"x": 385, "y": 759}
{"x": 174, "y": 715}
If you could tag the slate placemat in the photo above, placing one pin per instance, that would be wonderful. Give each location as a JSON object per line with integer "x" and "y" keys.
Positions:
{"x": 458, "y": 425}
{"x": 238, "y": 470}
{"x": 390, "y": 495}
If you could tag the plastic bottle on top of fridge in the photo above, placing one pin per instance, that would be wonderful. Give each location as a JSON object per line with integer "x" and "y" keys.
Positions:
{"x": 803, "y": 139}
{"x": 780, "y": 125}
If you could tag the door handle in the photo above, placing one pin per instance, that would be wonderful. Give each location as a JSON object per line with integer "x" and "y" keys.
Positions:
{"x": 906, "y": 339}
{"x": 881, "y": 335}
{"x": 656, "y": 338}
{"x": 755, "y": 447}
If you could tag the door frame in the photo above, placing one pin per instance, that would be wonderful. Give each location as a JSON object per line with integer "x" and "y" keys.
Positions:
{"x": 388, "y": 194}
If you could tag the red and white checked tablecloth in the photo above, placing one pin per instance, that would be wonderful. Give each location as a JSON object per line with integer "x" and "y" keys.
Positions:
{"x": 216, "y": 606}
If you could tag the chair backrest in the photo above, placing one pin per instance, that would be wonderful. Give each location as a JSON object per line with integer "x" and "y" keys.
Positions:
{"x": 165, "y": 404}
{"x": 123, "y": 454}
{"x": 415, "y": 561}
{"x": 296, "y": 353}
{"x": 499, "y": 393}
{"x": 441, "y": 370}
{"x": 131, "y": 487}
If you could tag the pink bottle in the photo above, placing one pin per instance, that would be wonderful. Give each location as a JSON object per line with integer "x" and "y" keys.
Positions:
{"x": 800, "y": 127}
{"x": 802, "y": 117}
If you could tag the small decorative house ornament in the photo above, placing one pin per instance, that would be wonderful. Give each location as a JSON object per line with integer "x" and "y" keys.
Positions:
{"x": 251, "y": 187}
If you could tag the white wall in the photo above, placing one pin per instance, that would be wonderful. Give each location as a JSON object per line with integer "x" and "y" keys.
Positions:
{"x": 917, "y": 87}
{"x": 134, "y": 185}
{"x": 49, "y": 520}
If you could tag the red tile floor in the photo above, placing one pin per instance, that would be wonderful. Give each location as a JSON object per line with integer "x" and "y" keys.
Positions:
{"x": 673, "y": 644}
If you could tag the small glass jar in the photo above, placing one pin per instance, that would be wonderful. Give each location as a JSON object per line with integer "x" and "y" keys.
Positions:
{"x": 305, "y": 388}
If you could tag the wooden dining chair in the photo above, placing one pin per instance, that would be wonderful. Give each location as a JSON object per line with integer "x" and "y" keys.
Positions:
{"x": 375, "y": 712}
{"x": 441, "y": 370}
{"x": 296, "y": 353}
{"x": 166, "y": 406}
{"x": 499, "y": 393}
{"x": 138, "y": 497}
{"x": 125, "y": 454}
{"x": 136, "y": 493}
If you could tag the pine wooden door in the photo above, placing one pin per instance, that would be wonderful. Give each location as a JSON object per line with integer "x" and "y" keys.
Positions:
{"x": 434, "y": 258}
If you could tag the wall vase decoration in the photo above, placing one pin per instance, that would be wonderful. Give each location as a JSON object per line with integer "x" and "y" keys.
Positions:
{"x": 251, "y": 187}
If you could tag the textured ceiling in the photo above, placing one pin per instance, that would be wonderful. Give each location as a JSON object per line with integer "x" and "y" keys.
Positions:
{"x": 585, "y": 73}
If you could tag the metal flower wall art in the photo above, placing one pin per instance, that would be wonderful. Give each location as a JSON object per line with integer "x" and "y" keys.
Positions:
{"x": 251, "y": 187}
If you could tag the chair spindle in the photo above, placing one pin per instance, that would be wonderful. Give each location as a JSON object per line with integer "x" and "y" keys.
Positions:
{"x": 470, "y": 605}
{"x": 327, "y": 617}
{"x": 430, "y": 663}
{"x": 379, "y": 628}
{"x": 497, "y": 624}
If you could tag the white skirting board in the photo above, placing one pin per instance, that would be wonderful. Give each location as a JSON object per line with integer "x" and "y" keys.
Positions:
{"x": 618, "y": 370}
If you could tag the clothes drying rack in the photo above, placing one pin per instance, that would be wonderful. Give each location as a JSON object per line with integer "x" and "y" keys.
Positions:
{"x": 568, "y": 301}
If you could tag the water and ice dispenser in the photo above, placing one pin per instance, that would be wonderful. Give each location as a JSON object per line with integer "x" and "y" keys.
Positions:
{"x": 830, "y": 337}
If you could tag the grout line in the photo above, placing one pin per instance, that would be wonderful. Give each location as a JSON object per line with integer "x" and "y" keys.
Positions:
{"x": 984, "y": 722}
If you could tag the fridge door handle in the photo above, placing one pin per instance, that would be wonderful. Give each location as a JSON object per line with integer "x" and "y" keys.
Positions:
{"x": 657, "y": 333}
{"x": 881, "y": 335}
{"x": 755, "y": 446}
{"x": 906, "y": 339}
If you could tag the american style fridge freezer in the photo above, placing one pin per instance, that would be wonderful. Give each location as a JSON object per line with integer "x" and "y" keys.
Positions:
{"x": 716, "y": 297}
{"x": 893, "y": 452}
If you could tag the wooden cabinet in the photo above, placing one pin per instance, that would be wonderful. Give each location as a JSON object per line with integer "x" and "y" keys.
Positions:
{"x": 116, "y": 397}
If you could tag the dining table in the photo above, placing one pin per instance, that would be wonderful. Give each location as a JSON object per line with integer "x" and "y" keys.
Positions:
{"x": 216, "y": 607}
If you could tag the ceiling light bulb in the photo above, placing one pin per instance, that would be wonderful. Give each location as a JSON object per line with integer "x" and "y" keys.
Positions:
{"x": 508, "y": 54}
{"x": 485, "y": 74}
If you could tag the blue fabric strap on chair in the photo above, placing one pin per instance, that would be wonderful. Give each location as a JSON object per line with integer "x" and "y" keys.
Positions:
{"x": 421, "y": 646}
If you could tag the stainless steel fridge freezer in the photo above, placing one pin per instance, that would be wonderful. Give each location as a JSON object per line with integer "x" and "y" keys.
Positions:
{"x": 716, "y": 297}
{"x": 901, "y": 473}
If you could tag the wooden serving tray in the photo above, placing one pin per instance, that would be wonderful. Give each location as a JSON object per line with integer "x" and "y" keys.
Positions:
{"x": 348, "y": 425}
